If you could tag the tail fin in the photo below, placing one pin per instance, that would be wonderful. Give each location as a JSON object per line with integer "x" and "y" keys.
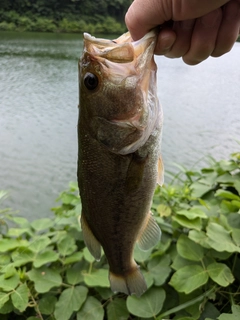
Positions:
{"x": 131, "y": 283}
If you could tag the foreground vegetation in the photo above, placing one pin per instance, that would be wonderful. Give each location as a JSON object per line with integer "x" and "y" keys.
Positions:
{"x": 193, "y": 273}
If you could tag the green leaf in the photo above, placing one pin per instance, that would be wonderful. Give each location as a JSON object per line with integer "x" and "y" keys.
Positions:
{"x": 140, "y": 255}
{"x": 4, "y": 259}
{"x": 148, "y": 305}
{"x": 199, "y": 189}
{"x": 91, "y": 310}
{"x": 192, "y": 213}
{"x": 199, "y": 237}
{"x": 179, "y": 262}
{"x": 10, "y": 244}
{"x": 236, "y": 236}
{"x": 97, "y": 278}
{"x": 117, "y": 310}
{"x": 159, "y": 269}
{"x": 9, "y": 284}
{"x": 75, "y": 257}
{"x": 70, "y": 300}
{"x": 189, "y": 249}
{"x": 163, "y": 210}
{"x": 47, "y": 304}
{"x": 234, "y": 316}
{"x": 237, "y": 186}
{"x": 219, "y": 238}
{"x": 74, "y": 274}
{"x": 190, "y": 224}
{"x": 39, "y": 243}
{"x": 87, "y": 255}
{"x": 105, "y": 293}
{"x": 189, "y": 278}
{"x": 45, "y": 257}
{"x": 7, "y": 307}
{"x": 20, "y": 297}
{"x": 3, "y": 299}
{"x": 226, "y": 194}
{"x": 44, "y": 279}
{"x": 220, "y": 273}
{"x": 22, "y": 256}
{"x": 67, "y": 246}
{"x": 42, "y": 224}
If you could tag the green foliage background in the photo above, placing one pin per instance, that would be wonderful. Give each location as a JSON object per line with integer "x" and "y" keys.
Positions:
{"x": 46, "y": 272}
{"x": 99, "y": 16}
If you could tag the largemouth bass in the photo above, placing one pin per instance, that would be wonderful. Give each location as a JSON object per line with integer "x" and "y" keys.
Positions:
{"x": 119, "y": 162}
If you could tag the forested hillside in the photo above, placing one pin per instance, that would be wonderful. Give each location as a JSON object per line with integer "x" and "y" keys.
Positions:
{"x": 98, "y": 16}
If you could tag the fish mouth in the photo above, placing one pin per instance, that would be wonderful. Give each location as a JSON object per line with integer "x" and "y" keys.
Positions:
{"x": 121, "y": 50}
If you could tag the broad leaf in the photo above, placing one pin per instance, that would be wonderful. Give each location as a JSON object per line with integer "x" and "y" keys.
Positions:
{"x": 192, "y": 213}
{"x": 220, "y": 273}
{"x": 20, "y": 297}
{"x": 47, "y": 304}
{"x": 189, "y": 278}
{"x": 9, "y": 284}
{"x": 91, "y": 310}
{"x": 97, "y": 278}
{"x": 189, "y": 249}
{"x": 47, "y": 256}
{"x": 159, "y": 269}
{"x": 67, "y": 246}
{"x": 74, "y": 274}
{"x": 3, "y": 299}
{"x": 10, "y": 244}
{"x": 70, "y": 300}
{"x": 148, "y": 305}
{"x": 44, "y": 279}
{"x": 39, "y": 244}
{"x": 226, "y": 194}
{"x": 42, "y": 224}
{"x": 140, "y": 255}
{"x": 220, "y": 239}
{"x": 199, "y": 237}
{"x": 75, "y": 257}
{"x": 117, "y": 310}
{"x": 190, "y": 224}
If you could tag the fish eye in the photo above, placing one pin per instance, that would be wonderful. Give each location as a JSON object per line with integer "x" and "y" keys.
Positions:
{"x": 90, "y": 81}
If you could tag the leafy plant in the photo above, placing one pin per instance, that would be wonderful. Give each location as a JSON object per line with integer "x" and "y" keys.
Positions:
{"x": 193, "y": 273}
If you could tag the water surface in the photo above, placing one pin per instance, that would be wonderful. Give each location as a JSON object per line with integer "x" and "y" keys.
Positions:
{"x": 38, "y": 114}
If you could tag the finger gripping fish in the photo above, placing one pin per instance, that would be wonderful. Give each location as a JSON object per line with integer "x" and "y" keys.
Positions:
{"x": 119, "y": 162}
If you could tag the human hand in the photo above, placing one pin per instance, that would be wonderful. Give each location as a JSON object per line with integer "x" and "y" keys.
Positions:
{"x": 199, "y": 28}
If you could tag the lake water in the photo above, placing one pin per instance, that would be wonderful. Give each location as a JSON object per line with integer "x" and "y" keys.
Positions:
{"x": 38, "y": 115}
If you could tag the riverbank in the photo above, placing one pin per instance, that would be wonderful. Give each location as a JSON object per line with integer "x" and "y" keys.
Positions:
{"x": 12, "y": 21}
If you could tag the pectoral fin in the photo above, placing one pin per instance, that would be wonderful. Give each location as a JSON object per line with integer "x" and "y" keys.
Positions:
{"x": 91, "y": 242}
{"x": 150, "y": 234}
{"x": 160, "y": 179}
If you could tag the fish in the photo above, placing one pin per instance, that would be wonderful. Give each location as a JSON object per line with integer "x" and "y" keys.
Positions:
{"x": 119, "y": 153}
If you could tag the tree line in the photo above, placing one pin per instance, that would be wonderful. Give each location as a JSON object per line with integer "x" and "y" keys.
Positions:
{"x": 101, "y": 16}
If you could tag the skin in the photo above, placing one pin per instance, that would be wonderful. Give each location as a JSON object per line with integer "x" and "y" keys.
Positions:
{"x": 191, "y": 29}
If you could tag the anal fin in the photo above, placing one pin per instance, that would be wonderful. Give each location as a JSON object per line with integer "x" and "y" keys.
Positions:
{"x": 131, "y": 283}
{"x": 150, "y": 234}
{"x": 160, "y": 178}
{"x": 91, "y": 242}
